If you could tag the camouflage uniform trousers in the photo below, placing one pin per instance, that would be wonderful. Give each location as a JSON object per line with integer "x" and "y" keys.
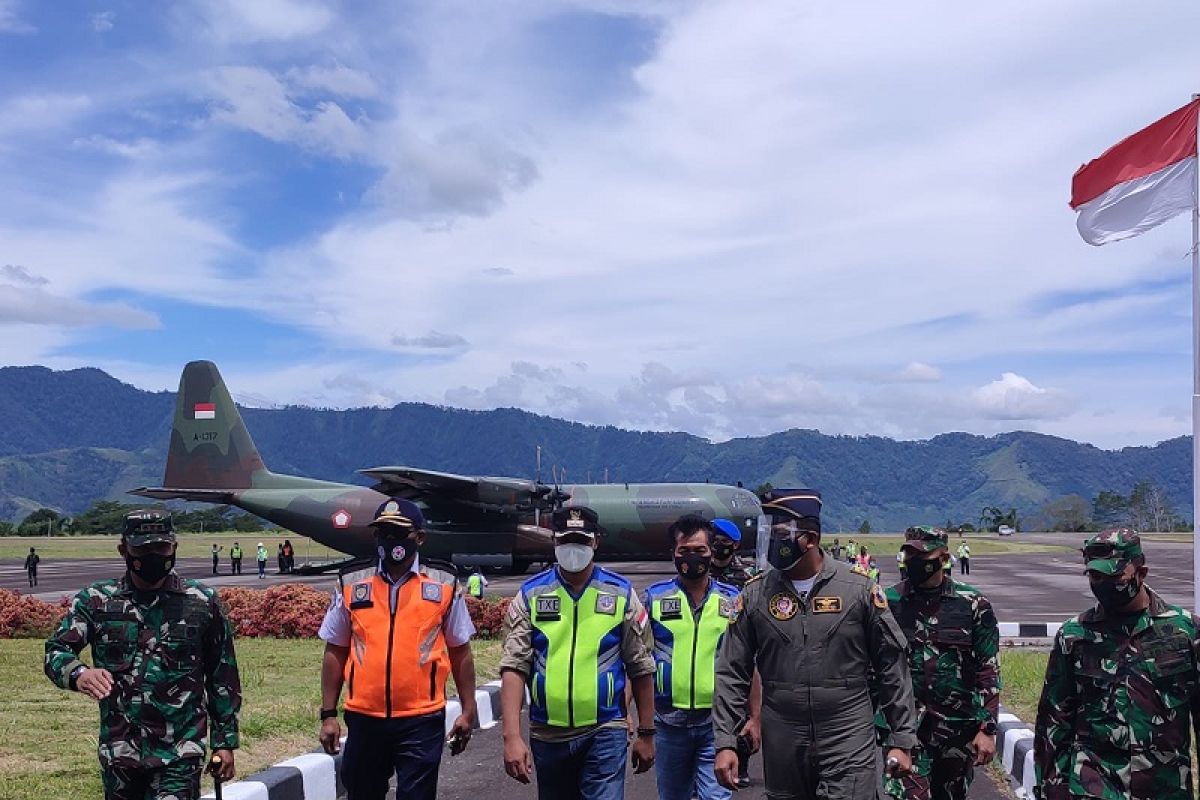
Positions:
{"x": 178, "y": 780}
{"x": 941, "y": 774}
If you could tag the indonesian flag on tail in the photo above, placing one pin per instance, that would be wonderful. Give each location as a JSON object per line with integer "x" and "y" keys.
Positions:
{"x": 205, "y": 411}
{"x": 1140, "y": 182}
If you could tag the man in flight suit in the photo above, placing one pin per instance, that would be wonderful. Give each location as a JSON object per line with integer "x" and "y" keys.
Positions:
{"x": 821, "y": 636}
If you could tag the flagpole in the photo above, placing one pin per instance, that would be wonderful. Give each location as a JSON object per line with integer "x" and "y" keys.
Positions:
{"x": 1196, "y": 376}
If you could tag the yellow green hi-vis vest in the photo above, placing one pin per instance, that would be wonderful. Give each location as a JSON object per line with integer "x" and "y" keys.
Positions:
{"x": 685, "y": 644}
{"x": 578, "y": 677}
{"x": 475, "y": 586}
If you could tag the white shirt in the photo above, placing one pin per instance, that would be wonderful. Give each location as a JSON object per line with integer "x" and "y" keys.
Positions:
{"x": 804, "y": 587}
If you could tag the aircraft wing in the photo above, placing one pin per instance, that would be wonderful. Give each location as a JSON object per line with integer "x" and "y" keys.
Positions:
{"x": 503, "y": 494}
{"x": 218, "y": 496}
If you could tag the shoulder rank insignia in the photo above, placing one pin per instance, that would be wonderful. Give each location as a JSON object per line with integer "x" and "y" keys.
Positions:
{"x": 360, "y": 595}
{"x": 783, "y": 606}
{"x": 606, "y": 604}
{"x": 858, "y": 570}
{"x": 879, "y": 598}
{"x": 827, "y": 605}
{"x": 725, "y": 607}
{"x": 432, "y": 592}
{"x": 738, "y": 606}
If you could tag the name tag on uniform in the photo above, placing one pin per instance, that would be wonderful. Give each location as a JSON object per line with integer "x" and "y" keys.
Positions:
{"x": 827, "y": 605}
{"x": 547, "y": 608}
{"x": 670, "y": 608}
{"x": 431, "y": 592}
{"x": 606, "y": 604}
{"x": 360, "y": 595}
{"x": 725, "y": 607}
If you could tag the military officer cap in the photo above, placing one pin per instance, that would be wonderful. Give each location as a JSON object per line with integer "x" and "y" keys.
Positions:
{"x": 575, "y": 519}
{"x": 399, "y": 513}
{"x": 147, "y": 526}
{"x": 1109, "y": 551}
{"x": 925, "y": 538}
{"x": 801, "y": 505}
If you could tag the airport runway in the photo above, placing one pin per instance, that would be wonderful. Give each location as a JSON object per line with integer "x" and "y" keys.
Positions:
{"x": 1027, "y": 587}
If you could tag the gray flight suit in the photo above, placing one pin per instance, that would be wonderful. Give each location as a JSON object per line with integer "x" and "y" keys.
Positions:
{"x": 816, "y": 658}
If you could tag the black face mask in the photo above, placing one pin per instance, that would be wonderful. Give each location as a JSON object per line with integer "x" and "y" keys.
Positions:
{"x": 151, "y": 567}
{"x": 720, "y": 552}
{"x": 692, "y": 565}
{"x": 1113, "y": 594}
{"x": 921, "y": 569}
{"x": 783, "y": 554}
{"x": 396, "y": 550}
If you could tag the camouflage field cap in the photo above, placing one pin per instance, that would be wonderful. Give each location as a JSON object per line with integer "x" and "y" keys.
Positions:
{"x": 577, "y": 519}
{"x": 147, "y": 526}
{"x": 925, "y": 538}
{"x": 399, "y": 513}
{"x": 801, "y": 505}
{"x": 1109, "y": 551}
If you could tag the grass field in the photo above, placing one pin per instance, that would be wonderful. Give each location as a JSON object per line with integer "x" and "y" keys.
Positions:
{"x": 191, "y": 545}
{"x": 980, "y": 544}
{"x": 1022, "y": 673}
{"x": 48, "y": 736}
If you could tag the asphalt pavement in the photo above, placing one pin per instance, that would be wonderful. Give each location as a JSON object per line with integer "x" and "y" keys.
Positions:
{"x": 1023, "y": 587}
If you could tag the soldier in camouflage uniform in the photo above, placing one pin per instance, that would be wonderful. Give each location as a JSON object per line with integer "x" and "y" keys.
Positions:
{"x": 953, "y": 657}
{"x": 164, "y": 669}
{"x": 726, "y": 566}
{"x": 1120, "y": 701}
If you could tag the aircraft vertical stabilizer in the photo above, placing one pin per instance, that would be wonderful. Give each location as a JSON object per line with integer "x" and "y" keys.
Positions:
{"x": 210, "y": 446}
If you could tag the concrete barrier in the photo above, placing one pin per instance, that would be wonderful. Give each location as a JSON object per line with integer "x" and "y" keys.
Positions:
{"x": 315, "y": 776}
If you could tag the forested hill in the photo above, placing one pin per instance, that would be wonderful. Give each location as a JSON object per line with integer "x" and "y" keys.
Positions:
{"x": 73, "y": 437}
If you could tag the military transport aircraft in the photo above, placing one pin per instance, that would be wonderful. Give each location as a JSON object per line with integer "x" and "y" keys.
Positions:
{"x": 473, "y": 521}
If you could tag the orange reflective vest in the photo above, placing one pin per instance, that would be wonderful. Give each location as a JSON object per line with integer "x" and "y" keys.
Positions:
{"x": 398, "y": 661}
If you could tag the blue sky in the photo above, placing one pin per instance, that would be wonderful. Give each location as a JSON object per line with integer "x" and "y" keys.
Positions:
{"x": 717, "y": 217}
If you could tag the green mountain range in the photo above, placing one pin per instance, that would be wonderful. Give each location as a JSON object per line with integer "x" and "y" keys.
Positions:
{"x": 77, "y": 436}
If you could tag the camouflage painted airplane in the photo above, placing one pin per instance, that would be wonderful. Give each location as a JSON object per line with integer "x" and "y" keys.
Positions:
{"x": 482, "y": 521}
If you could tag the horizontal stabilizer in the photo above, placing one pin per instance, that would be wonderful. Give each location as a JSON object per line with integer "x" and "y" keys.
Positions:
{"x": 218, "y": 496}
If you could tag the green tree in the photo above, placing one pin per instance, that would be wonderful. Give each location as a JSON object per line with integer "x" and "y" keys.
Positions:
{"x": 865, "y": 528}
{"x": 1110, "y": 508}
{"x": 42, "y": 522}
{"x": 1068, "y": 514}
{"x": 763, "y": 488}
{"x": 104, "y": 516}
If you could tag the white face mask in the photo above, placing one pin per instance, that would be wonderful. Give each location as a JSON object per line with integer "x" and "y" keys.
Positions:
{"x": 573, "y": 557}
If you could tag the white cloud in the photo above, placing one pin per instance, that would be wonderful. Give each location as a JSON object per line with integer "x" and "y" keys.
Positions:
{"x": 1014, "y": 397}
{"x": 918, "y": 372}
{"x": 338, "y": 79}
{"x": 10, "y": 22}
{"x": 263, "y": 20}
{"x": 434, "y": 340}
{"x": 102, "y": 21}
{"x": 35, "y": 306}
{"x": 142, "y": 147}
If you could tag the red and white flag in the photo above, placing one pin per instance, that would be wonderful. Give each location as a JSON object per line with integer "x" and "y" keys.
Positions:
{"x": 1140, "y": 182}
{"x": 205, "y": 411}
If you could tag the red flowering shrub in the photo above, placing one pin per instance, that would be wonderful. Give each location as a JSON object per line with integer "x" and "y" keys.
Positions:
{"x": 488, "y": 615}
{"x": 24, "y": 617}
{"x": 286, "y": 611}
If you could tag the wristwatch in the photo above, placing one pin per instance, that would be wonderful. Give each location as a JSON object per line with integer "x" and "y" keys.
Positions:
{"x": 645, "y": 731}
{"x": 988, "y": 727}
{"x": 74, "y": 676}
{"x": 328, "y": 713}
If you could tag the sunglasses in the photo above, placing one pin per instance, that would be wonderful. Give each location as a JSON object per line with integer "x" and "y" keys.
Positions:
{"x": 1099, "y": 550}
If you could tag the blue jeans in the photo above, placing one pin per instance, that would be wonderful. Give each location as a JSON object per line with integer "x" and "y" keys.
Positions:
{"x": 589, "y": 767}
{"x": 683, "y": 762}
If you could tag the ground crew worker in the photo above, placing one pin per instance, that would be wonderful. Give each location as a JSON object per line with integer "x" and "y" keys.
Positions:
{"x": 408, "y": 628}
{"x": 688, "y": 617}
{"x": 571, "y": 622}
{"x": 235, "y": 559}
{"x": 732, "y": 571}
{"x": 964, "y": 559}
{"x": 262, "y": 560}
{"x": 900, "y": 565}
{"x": 289, "y": 556}
{"x": 816, "y": 631}
{"x": 31, "y": 565}
{"x": 216, "y": 556}
{"x": 280, "y": 559}
{"x": 475, "y": 584}
{"x": 164, "y": 669}
{"x": 852, "y": 552}
{"x": 953, "y": 656}
{"x": 1121, "y": 698}
{"x": 727, "y": 567}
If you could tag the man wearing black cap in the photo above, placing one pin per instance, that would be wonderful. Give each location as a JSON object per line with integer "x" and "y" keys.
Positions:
{"x": 821, "y": 636}
{"x": 573, "y": 635}
{"x": 164, "y": 669}
{"x": 392, "y": 635}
